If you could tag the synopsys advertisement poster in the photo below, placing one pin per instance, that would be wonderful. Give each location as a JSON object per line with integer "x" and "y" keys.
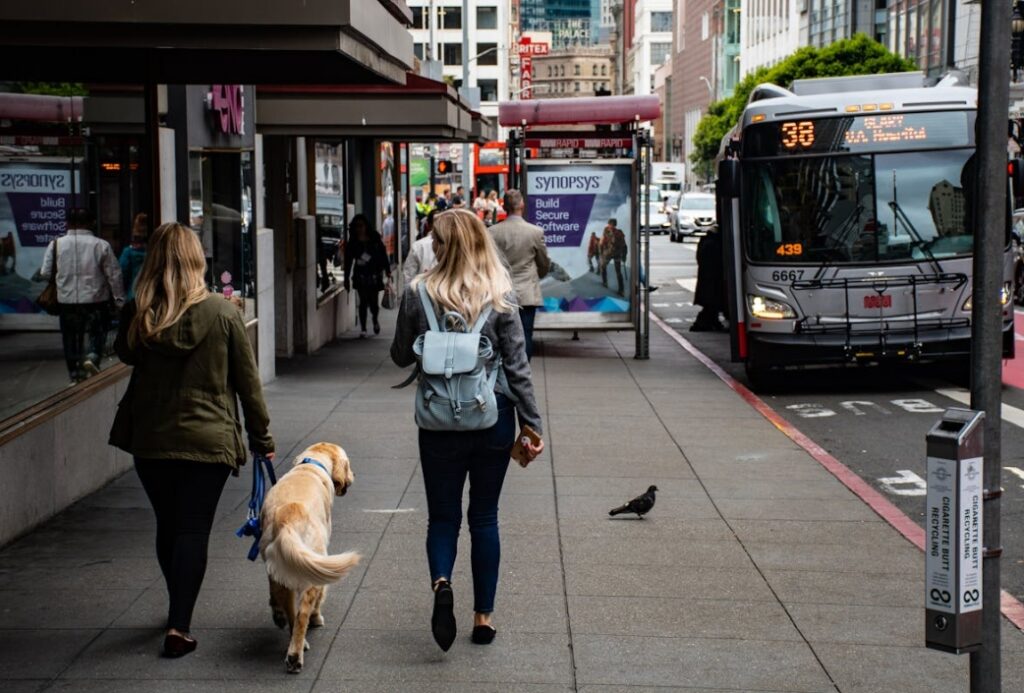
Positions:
{"x": 35, "y": 199}
{"x": 586, "y": 212}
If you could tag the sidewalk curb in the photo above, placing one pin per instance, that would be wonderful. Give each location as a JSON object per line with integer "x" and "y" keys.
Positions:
{"x": 1011, "y": 608}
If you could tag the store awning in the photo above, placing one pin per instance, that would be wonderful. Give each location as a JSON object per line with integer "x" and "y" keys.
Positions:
{"x": 420, "y": 110}
{"x": 202, "y": 42}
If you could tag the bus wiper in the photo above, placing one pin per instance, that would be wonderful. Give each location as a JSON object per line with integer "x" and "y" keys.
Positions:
{"x": 919, "y": 241}
{"x": 899, "y": 215}
{"x": 849, "y": 225}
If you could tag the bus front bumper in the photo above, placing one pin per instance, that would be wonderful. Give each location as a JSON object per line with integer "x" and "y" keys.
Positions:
{"x": 785, "y": 349}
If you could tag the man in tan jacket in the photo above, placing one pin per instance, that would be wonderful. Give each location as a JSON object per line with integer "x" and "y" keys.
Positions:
{"x": 521, "y": 244}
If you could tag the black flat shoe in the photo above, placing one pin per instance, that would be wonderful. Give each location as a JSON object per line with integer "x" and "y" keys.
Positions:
{"x": 177, "y": 646}
{"x": 483, "y": 635}
{"x": 442, "y": 622}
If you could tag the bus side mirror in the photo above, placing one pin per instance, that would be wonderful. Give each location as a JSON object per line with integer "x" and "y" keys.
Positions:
{"x": 728, "y": 183}
{"x": 1015, "y": 169}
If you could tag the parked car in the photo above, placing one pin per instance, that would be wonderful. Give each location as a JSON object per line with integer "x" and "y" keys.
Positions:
{"x": 660, "y": 221}
{"x": 695, "y": 214}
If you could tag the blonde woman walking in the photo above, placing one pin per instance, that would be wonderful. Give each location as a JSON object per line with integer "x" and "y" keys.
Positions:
{"x": 469, "y": 278}
{"x": 179, "y": 417}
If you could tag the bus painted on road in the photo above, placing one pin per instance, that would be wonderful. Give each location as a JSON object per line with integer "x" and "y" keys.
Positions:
{"x": 847, "y": 204}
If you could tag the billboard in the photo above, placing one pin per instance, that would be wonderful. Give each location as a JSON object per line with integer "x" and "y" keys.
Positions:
{"x": 35, "y": 199}
{"x": 586, "y": 211}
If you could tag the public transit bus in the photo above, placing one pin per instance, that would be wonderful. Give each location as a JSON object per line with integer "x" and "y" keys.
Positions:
{"x": 847, "y": 237}
{"x": 490, "y": 167}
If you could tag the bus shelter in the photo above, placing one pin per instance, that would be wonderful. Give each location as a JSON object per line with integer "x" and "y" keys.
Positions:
{"x": 583, "y": 166}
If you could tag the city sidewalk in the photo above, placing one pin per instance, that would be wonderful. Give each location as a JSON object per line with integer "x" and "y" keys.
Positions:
{"x": 756, "y": 570}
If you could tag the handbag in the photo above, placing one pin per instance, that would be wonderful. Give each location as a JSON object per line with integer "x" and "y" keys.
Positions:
{"x": 389, "y": 300}
{"x": 47, "y": 299}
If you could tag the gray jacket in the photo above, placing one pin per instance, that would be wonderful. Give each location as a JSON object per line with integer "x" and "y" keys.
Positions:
{"x": 505, "y": 331}
{"x": 87, "y": 269}
{"x": 522, "y": 245}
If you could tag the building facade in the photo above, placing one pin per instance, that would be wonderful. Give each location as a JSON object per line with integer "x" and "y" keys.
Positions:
{"x": 577, "y": 72}
{"x": 652, "y": 42}
{"x": 936, "y": 34}
{"x": 488, "y": 55}
{"x": 828, "y": 21}
{"x": 694, "y": 65}
{"x": 769, "y": 32}
{"x": 571, "y": 22}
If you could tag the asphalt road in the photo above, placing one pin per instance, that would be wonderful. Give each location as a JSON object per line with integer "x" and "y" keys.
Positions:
{"x": 872, "y": 419}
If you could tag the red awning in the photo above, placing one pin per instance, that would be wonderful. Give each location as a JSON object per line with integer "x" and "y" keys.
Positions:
{"x": 587, "y": 110}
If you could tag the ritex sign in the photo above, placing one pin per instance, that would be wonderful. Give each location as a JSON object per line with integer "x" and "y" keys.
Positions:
{"x": 527, "y": 47}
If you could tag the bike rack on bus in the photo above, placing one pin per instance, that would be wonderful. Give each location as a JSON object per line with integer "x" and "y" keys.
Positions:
{"x": 911, "y": 324}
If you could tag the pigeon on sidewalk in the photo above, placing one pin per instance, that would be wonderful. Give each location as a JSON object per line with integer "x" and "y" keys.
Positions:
{"x": 641, "y": 505}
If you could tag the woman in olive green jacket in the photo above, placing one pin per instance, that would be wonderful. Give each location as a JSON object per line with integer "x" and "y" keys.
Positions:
{"x": 179, "y": 417}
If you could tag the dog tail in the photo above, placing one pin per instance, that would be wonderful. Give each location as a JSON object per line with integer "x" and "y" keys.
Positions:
{"x": 291, "y": 563}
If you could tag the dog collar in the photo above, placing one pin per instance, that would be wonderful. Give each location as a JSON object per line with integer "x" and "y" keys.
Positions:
{"x": 310, "y": 460}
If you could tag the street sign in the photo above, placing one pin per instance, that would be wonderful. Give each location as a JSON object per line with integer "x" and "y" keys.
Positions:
{"x": 953, "y": 526}
{"x": 527, "y": 49}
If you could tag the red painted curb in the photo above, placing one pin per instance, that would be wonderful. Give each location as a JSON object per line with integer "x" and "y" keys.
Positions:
{"x": 1011, "y": 608}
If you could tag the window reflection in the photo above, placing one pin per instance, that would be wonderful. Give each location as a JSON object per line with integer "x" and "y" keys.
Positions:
{"x": 50, "y": 162}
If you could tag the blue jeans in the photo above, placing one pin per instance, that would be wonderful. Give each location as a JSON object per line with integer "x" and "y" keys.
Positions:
{"x": 527, "y": 314}
{"x": 447, "y": 458}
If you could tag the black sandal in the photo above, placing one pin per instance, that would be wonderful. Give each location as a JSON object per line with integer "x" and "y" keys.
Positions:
{"x": 484, "y": 635}
{"x": 442, "y": 622}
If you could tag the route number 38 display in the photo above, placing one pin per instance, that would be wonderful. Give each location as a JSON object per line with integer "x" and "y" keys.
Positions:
{"x": 798, "y": 134}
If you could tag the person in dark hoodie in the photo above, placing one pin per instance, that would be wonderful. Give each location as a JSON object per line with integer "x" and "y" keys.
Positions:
{"x": 366, "y": 263}
{"x": 193, "y": 365}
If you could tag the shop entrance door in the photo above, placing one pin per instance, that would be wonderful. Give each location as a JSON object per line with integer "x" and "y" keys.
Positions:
{"x": 221, "y": 193}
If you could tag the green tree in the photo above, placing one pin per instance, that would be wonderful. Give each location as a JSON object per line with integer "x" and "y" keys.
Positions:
{"x": 52, "y": 88}
{"x": 859, "y": 55}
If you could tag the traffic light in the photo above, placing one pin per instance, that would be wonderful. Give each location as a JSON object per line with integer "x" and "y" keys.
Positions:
{"x": 444, "y": 167}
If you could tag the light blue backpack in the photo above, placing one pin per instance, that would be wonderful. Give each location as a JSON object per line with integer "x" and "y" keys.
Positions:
{"x": 455, "y": 392}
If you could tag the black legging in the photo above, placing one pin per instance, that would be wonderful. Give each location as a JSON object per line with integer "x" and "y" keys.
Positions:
{"x": 184, "y": 496}
{"x": 368, "y": 298}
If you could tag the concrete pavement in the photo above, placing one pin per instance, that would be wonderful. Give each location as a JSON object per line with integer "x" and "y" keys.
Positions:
{"x": 756, "y": 571}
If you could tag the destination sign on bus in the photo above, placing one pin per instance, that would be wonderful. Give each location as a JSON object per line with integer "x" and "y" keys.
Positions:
{"x": 856, "y": 134}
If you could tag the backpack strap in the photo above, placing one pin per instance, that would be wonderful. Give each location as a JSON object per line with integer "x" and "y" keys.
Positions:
{"x": 479, "y": 324}
{"x": 428, "y": 307}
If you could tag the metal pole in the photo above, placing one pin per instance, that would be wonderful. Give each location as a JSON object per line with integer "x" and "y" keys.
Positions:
{"x": 986, "y": 317}
{"x": 465, "y": 89}
{"x": 433, "y": 21}
{"x": 648, "y": 167}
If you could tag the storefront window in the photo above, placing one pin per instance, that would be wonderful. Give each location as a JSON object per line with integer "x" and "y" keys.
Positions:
{"x": 387, "y": 223}
{"x": 329, "y": 170}
{"x": 220, "y": 206}
{"x": 48, "y": 166}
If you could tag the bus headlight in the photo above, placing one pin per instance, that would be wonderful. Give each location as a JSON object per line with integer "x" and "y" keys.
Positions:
{"x": 768, "y": 308}
{"x": 1004, "y": 296}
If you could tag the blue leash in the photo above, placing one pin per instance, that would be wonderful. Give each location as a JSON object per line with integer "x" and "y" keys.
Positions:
{"x": 263, "y": 469}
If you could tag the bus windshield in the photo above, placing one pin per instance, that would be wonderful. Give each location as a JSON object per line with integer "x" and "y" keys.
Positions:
{"x": 905, "y": 206}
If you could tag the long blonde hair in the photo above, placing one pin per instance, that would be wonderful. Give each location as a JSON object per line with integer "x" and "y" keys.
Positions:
{"x": 170, "y": 282}
{"x": 469, "y": 275}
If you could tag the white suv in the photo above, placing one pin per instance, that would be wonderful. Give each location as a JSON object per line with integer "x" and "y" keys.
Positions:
{"x": 695, "y": 214}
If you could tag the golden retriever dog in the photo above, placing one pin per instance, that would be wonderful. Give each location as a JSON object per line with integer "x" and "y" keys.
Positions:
{"x": 296, "y": 522}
